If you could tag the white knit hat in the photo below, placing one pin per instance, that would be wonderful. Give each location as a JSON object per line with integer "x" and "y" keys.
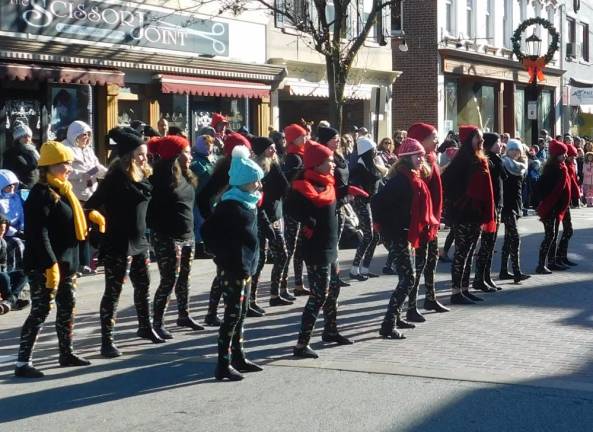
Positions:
{"x": 21, "y": 130}
{"x": 364, "y": 144}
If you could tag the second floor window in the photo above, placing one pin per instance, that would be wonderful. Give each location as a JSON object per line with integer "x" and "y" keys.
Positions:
{"x": 449, "y": 16}
{"x": 585, "y": 42}
{"x": 490, "y": 21}
{"x": 571, "y": 42}
{"x": 469, "y": 9}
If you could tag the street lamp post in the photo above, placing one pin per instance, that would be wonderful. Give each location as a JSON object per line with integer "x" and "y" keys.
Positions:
{"x": 533, "y": 43}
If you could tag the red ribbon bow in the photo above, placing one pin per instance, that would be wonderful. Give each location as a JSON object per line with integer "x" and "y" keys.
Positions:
{"x": 535, "y": 69}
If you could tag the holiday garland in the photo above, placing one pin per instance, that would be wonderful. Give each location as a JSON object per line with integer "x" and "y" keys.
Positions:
{"x": 517, "y": 37}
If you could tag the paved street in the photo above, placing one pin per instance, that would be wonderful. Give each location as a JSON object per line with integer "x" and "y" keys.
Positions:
{"x": 521, "y": 360}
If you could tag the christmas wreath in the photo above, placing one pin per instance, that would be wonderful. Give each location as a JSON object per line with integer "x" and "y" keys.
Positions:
{"x": 535, "y": 65}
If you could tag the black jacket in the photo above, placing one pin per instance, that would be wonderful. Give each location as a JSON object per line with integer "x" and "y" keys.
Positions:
{"x": 170, "y": 211}
{"x": 292, "y": 166}
{"x": 322, "y": 247}
{"x": 49, "y": 232}
{"x": 274, "y": 186}
{"x": 23, "y": 163}
{"x": 342, "y": 176}
{"x": 217, "y": 183}
{"x": 513, "y": 195}
{"x": 498, "y": 175}
{"x": 551, "y": 175}
{"x": 124, "y": 204}
{"x": 364, "y": 177}
{"x": 230, "y": 234}
{"x": 391, "y": 208}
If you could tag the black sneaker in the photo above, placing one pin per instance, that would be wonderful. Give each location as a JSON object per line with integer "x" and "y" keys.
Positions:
{"x": 359, "y": 277}
{"x": 335, "y": 337}
{"x": 388, "y": 271}
{"x": 253, "y": 305}
{"x": 189, "y": 323}
{"x": 472, "y": 297}
{"x": 71, "y": 359}
{"x": 28, "y": 371}
{"x": 279, "y": 301}
{"x": 212, "y": 321}
{"x": 252, "y": 313}
{"x": 370, "y": 275}
{"x": 460, "y": 299}
{"x": 304, "y": 352}
{"x": 108, "y": 350}
{"x": 20, "y": 304}
{"x": 162, "y": 332}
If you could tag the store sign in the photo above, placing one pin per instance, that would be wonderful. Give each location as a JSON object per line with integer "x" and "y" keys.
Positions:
{"x": 115, "y": 22}
{"x": 532, "y": 110}
{"x": 581, "y": 96}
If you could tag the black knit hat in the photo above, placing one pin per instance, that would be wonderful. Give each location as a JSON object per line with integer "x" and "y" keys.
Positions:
{"x": 324, "y": 134}
{"x": 490, "y": 139}
{"x": 126, "y": 139}
{"x": 260, "y": 144}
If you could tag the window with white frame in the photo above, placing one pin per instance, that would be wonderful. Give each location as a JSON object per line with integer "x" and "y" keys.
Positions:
{"x": 585, "y": 42}
{"x": 450, "y": 12}
{"x": 490, "y": 21}
{"x": 470, "y": 19}
{"x": 507, "y": 23}
{"x": 571, "y": 39}
{"x": 397, "y": 18}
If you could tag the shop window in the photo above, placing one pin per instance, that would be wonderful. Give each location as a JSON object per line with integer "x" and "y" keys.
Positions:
{"x": 520, "y": 113}
{"x": 173, "y": 108}
{"x": 450, "y": 106}
{"x": 67, "y": 104}
{"x": 130, "y": 105}
{"x": 477, "y": 105}
{"x": 202, "y": 107}
{"x": 545, "y": 111}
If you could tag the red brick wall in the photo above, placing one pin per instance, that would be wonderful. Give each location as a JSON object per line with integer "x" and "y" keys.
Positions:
{"x": 415, "y": 92}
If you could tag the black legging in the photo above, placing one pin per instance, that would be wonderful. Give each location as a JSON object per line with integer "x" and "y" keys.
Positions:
{"x": 366, "y": 247}
{"x": 548, "y": 247}
{"x": 466, "y": 237}
{"x": 405, "y": 272}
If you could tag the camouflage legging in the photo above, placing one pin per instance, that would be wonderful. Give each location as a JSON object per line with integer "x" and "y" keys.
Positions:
{"x": 335, "y": 267}
{"x": 41, "y": 303}
{"x": 427, "y": 256}
{"x": 403, "y": 265}
{"x": 215, "y": 294}
{"x": 115, "y": 273}
{"x": 366, "y": 248}
{"x": 235, "y": 292}
{"x": 323, "y": 295}
{"x": 278, "y": 247}
{"x": 486, "y": 253}
{"x": 548, "y": 247}
{"x": 567, "y": 232}
{"x": 511, "y": 245}
{"x": 174, "y": 259}
{"x": 466, "y": 237}
{"x": 292, "y": 234}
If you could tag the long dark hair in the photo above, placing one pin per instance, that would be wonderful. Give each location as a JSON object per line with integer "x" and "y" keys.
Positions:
{"x": 172, "y": 169}
{"x": 457, "y": 174}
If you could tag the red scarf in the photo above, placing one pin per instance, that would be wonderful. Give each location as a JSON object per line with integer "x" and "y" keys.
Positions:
{"x": 423, "y": 226}
{"x": 308, "y": 189}
{"x": 295, "y": 149}
{"x": 481, "y": 195}
{"x": 559, "y": 198}
{"x": 435, "y": 186}
{"x": 575, "y": 190}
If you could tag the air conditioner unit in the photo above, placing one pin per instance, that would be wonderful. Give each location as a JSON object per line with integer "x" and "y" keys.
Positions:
{"x": 571, "y": 50}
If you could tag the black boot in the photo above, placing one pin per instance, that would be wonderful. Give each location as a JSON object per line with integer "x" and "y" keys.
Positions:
{"x": 253, "y": 313}
{"x": 472, "y": 297}
{"x": 223, "y": 371}
{"x": 414, "y": 315}
{"x": 460, "y": 299}
{"x": 336, "y": 337}
{"x": 568, "y": 262}
{"x": 109, "y": 350}
{"x": 343, "y": 283}
{"x": 304, "y": 352}
{"x": 189, "y": 323}
{"x": 279, "y": 301}
{"x": 480, "y": 285}
{"x": 434, "y": 305}
{"x": 285, "y": 294}
{"x": 149, "y": 334}
{"x": 542, "y": 269}
{"x": 402, "y": 324}
{"x": 28, "y": 371}
{"x": 212, "y": 320}
{"x": 555, "y": 266}
{"x": 388, "y": 331}
{"x": 505, "y": 275}
{"x": 71, "y": 359}
{"x": 253, "y": 305}
{"x": 244, "y": 365}
{"x": 161, "y": 331}
{"x": 519, "y": 277}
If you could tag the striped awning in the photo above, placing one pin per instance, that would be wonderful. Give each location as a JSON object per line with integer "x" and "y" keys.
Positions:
{"x": 60, "y": 74}
{"x": 213, "y": 87}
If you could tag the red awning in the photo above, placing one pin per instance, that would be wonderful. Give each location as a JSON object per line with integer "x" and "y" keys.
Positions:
{"x": 61, "y": 74}
{"x": 212, "y": 87}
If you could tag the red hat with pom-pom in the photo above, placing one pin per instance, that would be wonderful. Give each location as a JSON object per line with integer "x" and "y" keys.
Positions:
{"x": 233, "y": 140}
{"x": 315, "y": 154}
{"x": 167, "y": 147}
{"x": 557, "y": 148}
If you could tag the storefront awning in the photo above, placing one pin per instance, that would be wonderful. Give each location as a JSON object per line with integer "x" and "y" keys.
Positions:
{"x": 298, "y": 87}
{"x": 212, "y": 87}
{"x": 61, "y": 74}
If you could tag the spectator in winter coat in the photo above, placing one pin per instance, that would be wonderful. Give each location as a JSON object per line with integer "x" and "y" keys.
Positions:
{"x": 11, "y": 206}
{"x": 86, "y": 170}
{"x": 21, "y": 158}
{"x": 11, "y": 282}
{"x": 588, "y": 179}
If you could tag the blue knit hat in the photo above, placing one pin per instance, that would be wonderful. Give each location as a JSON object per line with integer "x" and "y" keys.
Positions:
{"x": 243, "y": 169}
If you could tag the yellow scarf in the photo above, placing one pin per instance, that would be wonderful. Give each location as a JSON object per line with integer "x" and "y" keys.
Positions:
{"x": 65, "y": 189}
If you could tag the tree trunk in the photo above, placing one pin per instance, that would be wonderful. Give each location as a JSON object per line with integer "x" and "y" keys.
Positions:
{"x": 336, "y": 81}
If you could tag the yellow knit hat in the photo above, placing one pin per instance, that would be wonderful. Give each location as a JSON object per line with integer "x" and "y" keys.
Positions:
{"x": 53, "y": 152}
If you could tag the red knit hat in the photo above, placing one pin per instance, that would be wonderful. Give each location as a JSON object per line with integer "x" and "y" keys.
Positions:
{"x": 292, "y": 132}
{"x": 218, "y": 118}
{"x": 420, "y": 131}
{"x": 465, "y": 131}
{"x": 232, "y": 140}
{"x": 167, "y": 147}
{"x": 571, "y": 150}
{"x": 557, "y": 148}
{"x": 409, "y": 147}
{"x": 315, "y": 154}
